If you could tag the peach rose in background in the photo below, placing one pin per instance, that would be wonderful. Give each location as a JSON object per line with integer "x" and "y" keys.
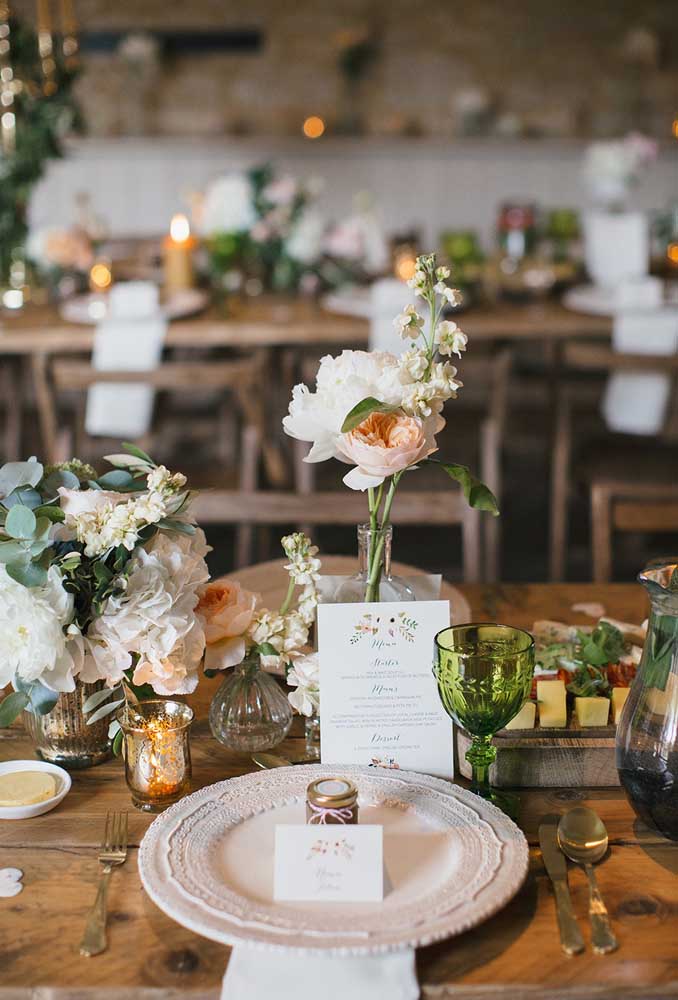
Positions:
{"x": 386, "y": 443}
{"x": 227, "y": 611}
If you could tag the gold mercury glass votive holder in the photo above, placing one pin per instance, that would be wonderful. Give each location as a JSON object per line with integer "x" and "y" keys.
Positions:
{"x": 157, "y": 752}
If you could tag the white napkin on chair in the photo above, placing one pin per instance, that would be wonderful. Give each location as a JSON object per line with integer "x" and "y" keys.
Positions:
{"x": 636, "y": 404}
{"x": 253, "y": 974}
{"x": 129, "y": 339}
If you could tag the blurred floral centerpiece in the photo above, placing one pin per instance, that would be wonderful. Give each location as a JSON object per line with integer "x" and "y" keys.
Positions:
{"x": 100, "y": 578}
{"x": 267, "y": 233}
{"x": 381, "y": 413}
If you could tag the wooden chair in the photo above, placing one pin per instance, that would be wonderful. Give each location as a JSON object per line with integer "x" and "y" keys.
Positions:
{"x": 239, "y": 380}
{"x": 651, "y": 458}
{"x": 487, "y": 379}
{"x": 441, "y": 508}
{"x": 628, "y": 507}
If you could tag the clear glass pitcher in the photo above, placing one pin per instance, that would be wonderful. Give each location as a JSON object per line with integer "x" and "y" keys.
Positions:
{"x": 647, "y": 735}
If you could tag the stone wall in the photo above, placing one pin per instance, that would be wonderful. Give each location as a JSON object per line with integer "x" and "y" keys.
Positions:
{"x": 538, "y": 67}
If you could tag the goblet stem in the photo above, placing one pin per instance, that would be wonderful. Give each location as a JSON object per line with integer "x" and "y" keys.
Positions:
{"x": 480, "y": 756}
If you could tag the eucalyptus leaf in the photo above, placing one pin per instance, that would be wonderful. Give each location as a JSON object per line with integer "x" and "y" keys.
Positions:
{"x": 362, "y": 410}
{"x": 15, "y": 474}
{"x": 12, "y": 706}
{"x": 59, "y": 478}
{"x": 104, "y": 711}
{"x": 20, "y": 522}
{"x": 28, "y": 574}
{"x": 116, "y": 479}
{"x": 13, "y": 552}
{"x": 97, "y": 698}
{"x": 42, "y": 699}
{"x": 24, "y": 495}
{"x": 477, "y": 494}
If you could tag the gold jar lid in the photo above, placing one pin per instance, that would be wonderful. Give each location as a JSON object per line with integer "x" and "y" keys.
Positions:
{"x": 332, "y": 793}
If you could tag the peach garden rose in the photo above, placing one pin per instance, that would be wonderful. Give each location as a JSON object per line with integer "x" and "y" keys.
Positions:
{"x": 385, "y": 444}
{"x": 227, "y": 610}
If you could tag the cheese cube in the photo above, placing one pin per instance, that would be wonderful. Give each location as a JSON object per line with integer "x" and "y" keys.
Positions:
{"x": 525, "y": 717}
{"x": 619, "y": 696}
{"x": 592, "y": 711}
{"x": 552, "y": 701}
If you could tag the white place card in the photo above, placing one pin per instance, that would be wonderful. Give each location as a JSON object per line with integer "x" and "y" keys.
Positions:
{"x": 379, "y": 702}
{"x": 333, "y": 863}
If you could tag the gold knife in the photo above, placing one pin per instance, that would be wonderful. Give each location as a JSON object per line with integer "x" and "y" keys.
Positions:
{"x": 554, "y": 861}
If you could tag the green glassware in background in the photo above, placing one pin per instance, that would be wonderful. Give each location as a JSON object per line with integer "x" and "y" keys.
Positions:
{"x": 484, "y": 674}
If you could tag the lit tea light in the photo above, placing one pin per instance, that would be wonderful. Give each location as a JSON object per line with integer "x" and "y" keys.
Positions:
{"x": 405, "y": 266}
{"x": 672, "y": 254}
{"x": 100, "y": 276}
{"x": 313, "y": 127}
{"x": 157, "y": 753}
{"x": 13, "y": 298}
{"x": 178, "y": 256}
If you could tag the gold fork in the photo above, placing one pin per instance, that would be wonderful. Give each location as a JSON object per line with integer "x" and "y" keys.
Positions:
{"x": 113, "y": 852}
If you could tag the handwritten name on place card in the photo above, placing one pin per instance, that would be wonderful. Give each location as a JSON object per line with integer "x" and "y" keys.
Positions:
{"x": 334, "y": 863}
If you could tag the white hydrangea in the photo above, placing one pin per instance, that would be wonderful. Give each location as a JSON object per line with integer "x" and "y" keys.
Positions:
{"x": 154, "y": 618}
{"x": 32, "y": 632}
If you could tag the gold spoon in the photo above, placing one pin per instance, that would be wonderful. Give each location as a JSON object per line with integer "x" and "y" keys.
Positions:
{"x": 582, "y": 838}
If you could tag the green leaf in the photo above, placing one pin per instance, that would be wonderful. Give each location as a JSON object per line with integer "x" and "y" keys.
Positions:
{"x": 104, "y": 711}
{"x": 28, "y": 574}
{"x": 477, "y": 494}
{"x": 20, "y": 522}
{"x": 12, "y": 706}
{"x": 116, "y": 746}
{"x": 138, "y": 453}
{"x": 169, "y": 524}
{"x": 116, "y": 479}
{"x": 25, "y": 495}
{"x": 97, "y": 698}
{"x": 48, "y": 510}
{"x": 102, "y": 573}
{"x": 42, "y": 699}
{"x": 266, "y": 649}
{"x": 15, "y": 474}
{"x": 362, "y": 410}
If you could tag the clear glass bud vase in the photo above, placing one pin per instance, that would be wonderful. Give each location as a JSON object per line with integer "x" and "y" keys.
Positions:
{"x": 647, "y": 734}
{"x": 374, "y": 581}
{"x": 250, "y": 711}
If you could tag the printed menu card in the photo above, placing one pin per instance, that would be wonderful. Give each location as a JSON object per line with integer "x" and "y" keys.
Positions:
{"x": 380, "y": 703}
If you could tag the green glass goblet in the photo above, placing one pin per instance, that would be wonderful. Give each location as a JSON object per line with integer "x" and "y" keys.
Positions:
{"x": 484, "y": 674}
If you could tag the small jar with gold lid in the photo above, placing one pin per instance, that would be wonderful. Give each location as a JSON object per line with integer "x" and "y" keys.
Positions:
{"x": 331, "y": 800}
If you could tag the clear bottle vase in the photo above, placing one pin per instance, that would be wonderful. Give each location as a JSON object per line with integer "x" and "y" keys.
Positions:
{"x": 647, "y": 734}
{"x": 250, "y": 711}
{"x": 374, "y": 562}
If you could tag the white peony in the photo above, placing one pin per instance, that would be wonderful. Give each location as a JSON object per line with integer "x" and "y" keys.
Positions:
{"x": 304, "y": 677}
{"x": 227, "y": 206}
{"x": 341, "y": 383}
{"x": 32, "y": 622}
{"x": 154, "y": 618}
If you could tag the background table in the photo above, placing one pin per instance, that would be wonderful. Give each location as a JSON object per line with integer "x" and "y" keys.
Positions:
{"x": 515, "y": 955}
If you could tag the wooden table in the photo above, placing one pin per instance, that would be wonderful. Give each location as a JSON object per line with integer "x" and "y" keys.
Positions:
{"x": 275, "y": 323}
{"x": 515, "y": 955}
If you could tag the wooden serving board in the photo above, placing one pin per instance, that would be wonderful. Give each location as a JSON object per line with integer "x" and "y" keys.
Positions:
{"x": 549, "y": 758}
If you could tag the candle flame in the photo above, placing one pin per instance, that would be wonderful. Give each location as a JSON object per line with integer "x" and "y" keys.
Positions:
{"x": 180, "y": 229}
{"x": 100, "y": 276}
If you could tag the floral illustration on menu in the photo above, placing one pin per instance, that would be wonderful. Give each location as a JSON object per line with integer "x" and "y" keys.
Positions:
{"x": 385, "y": 627}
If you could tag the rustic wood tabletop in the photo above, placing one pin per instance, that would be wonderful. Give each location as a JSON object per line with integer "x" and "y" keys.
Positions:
{"x": 514, "y": 955}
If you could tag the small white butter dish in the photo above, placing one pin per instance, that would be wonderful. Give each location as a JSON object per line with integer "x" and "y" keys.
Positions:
{"x": 62, "y": 780}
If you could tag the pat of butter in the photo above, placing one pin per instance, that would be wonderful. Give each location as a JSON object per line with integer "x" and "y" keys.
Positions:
{"x": 525, "y": 717}
{"x": 592, "y": 711}
{"x": 552, "y": 700}
{"x": 25, "y": 788}
{"x": 619, "y": 696}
